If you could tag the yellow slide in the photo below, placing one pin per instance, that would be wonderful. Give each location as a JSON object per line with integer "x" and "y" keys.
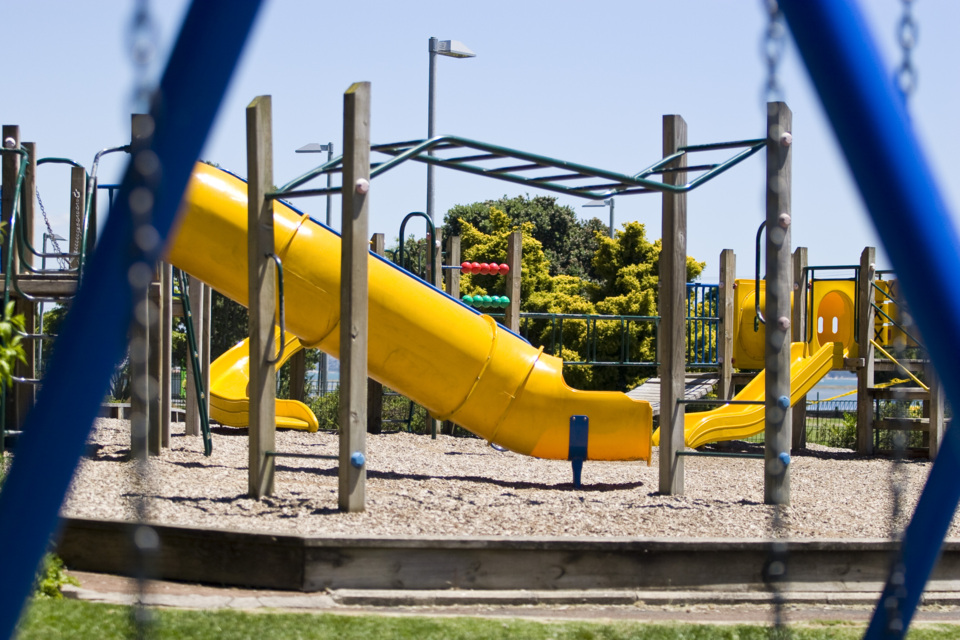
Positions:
{"x": 459, "y": 364}
{"x": 737, "y": 421}
{"x": 230, "y": 377}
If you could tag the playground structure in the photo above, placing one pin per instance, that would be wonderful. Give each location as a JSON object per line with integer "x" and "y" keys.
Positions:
{"x": 859, "y": 81}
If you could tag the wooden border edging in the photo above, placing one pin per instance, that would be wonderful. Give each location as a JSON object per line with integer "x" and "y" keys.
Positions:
{"x": 294, "y": 562}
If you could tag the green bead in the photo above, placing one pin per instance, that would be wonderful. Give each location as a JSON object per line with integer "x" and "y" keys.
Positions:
{"x": 487, "y": 301}
{"x": 468, "y": 300}
{"x": 504, "y": 301}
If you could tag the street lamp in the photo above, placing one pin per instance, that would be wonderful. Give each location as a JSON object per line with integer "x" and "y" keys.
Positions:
{"x": 314, "y": 147}
{"x": 451, "y": 49}
{"x": 608, "y": 201}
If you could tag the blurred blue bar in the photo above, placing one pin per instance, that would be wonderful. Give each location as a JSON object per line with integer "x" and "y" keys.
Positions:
{"x": 872, "y": 125}
{"x": 94, "y": 335}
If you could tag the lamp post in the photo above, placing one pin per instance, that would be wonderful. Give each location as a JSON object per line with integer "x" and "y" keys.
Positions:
{"x": 315, "y": 147}
{"x": 450, "y": 49}
{"x": 608, "y": 201}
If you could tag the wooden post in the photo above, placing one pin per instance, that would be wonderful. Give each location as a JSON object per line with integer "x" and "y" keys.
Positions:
{"x": 452, "y": 276}
{"x": 514, "y": 259}
{"x": 935, "y": 408}
{"x": 154, "y": 370}
{"x": 195, "y": 288}
{"x": 10, "y": 169}
{"x": 166, "y": 354}
{"x": 78, "y": 186}
{"x": 263, "y": 296}
{"x": 672, "y": 329}
{"x": 353, "y": 297}
{"x": 298, "y": 375}
{"x": 28, "y": 196}
{"x": 728, "y": 319}
{"x": 374, "y": 388}
{"x": 865, "y": 351}
{"x": 777, "y": 434}
{"x": 798, "y": 331}
{"x": 206, "y": 325}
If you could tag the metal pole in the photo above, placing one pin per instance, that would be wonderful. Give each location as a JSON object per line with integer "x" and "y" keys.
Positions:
{"x": 431, "y": 116}
{"x": 611, "y": 218}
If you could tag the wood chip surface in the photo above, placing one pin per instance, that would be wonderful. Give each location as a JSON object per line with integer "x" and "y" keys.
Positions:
{"x": 455, "y": 486}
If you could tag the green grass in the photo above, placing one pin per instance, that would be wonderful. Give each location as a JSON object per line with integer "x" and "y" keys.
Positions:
{"x": 51, "y": 620}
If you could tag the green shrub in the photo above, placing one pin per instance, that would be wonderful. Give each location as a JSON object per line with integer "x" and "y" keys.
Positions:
{"x": 842, "y": 435}
{"x": 52, "y": 577}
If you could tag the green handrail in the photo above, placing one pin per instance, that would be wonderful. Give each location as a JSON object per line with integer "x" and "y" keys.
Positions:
{"x": 195, "y": 358}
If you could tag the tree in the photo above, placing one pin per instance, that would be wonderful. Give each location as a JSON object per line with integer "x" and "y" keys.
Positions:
{"x": 624, "y": 283}
{"x": 567, "y": 243}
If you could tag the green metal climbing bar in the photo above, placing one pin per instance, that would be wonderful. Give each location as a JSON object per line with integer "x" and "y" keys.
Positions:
{"x": 533, "y": 170}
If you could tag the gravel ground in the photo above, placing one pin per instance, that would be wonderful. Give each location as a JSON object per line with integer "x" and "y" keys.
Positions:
{"x": 462, "y": 487}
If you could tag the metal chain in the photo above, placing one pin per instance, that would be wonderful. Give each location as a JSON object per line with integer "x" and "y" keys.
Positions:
{"x": 907, "y": 35}
{"x": 774, "y": 44}
{"x": 142, "y": 43}
{"x": 63, "y": 262}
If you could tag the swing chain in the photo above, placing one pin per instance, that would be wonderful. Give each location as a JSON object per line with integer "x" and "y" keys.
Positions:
{"x": 142, "y": 41}
{"x": 63, "y": 262}
{"x": 774, "y": 44}
{"x": 907, "y": 35}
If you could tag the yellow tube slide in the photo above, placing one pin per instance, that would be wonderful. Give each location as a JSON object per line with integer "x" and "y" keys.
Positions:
{"x": 229, "y": 382}
{"x": 459, "y": 364}
{"x": 737, "y": 421}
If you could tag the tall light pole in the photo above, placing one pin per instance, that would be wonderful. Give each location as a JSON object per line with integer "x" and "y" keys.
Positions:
{"x": 451, "y": 49}
{"x": 315, "y": 147}
{"x": 608, "y": 201}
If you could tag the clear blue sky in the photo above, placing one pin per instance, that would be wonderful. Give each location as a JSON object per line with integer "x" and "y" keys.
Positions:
{"x": 585, "y": 82}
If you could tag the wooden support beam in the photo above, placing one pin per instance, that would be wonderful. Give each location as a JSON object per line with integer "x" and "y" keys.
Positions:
{"x": 154, "y": 372}
{"x": 798, "y": 331}
{"x": 865, "y": 351}
{"x": 353, "y": 297}
{"x": 671, "y": 341}
{"x": 452, "y": 276}
{"x": 166, "y": 354}
{"x": 777, "y": 433}
{"x": 728, "y": 319}
{"x": 262, "y": 296}
{"x": 28, "y": 196}
{"x": 935, "y": 410}
{"x": 78, "y": 202}
{"x": 515, "y": 260}
{"x": 9, "y": 168}
{"x": 374, "y": 389}
{"x": 196, "y": 290}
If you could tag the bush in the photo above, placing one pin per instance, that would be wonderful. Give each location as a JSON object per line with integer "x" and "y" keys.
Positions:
{"x": 842, "y": 435}
{"x": 52, "y": 577}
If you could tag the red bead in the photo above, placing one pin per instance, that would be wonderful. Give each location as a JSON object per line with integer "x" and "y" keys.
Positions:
{"x": 504, "y": 268}
{"x": 485, "y": 268}
{"x": 465, "y": 267}
{"x": 474, "y": 267}
{"x": 494, "y": 268}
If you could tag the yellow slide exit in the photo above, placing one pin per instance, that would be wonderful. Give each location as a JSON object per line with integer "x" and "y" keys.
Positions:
{"x": 459, "y": 364}
{"x": 738, "y": 421}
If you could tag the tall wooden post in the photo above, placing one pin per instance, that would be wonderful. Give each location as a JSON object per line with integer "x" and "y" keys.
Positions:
{"x": 78, "y": 202}
{"x": 798, "y": 332}
{"x": 514, "y": 259}
{"x": 728, "y": 318}
{"x": 166, "y": 354}
{"x": 263, "y": 296}
{"x": 673, "y": 293}
{"x": 10, "y": 168}
{"x": 196, "y": 289}
{"x": 777, "y": 434}
{"x": 865, "y": 351}
{"x": 154, "y": 365}
{"x": 935, "y": 410}
{"x": 452, "y": 276}
{"x": 28, "y": 196}
{"x": 353, "y": 297}
{"x": 374, "y": 388}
